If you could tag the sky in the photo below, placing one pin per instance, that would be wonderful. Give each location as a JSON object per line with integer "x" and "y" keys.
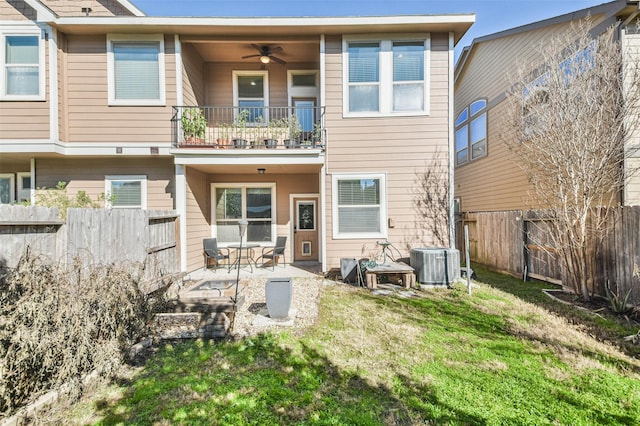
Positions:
{"x": 491, "y": 15}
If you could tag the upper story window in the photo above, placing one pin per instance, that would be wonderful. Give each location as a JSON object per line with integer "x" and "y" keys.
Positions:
{"x": 136, "y": 70}
{"x": 251, "y": 94}
{"x": 471, "y": 132}
{"x": 22, "y": 76}
{"x": 385, "y": 77}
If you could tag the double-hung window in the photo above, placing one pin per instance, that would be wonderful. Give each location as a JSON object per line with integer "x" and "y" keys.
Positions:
{"x": 251, "y": 94}
{"x": 359, "y": 206}
{"x": 385, "y": 77}
{"x": 253, "y": 202}
{"x": 136, "y": 70}
{"x": 471, "y": 132}
{"x": 126, "y": 192}
{"x": 22, "y": 65}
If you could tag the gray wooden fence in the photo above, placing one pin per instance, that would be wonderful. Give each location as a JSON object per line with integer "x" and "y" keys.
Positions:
{"x": 519, "y": 243}
{"x": 95, "y": 236}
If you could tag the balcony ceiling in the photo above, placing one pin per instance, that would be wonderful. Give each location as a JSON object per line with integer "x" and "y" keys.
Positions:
{"x": 303, "y": 51}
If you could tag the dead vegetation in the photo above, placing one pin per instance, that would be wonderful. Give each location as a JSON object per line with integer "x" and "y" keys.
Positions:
{"x": 57, "y": 324}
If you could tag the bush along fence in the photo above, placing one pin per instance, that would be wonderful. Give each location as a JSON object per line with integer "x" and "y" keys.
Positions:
{"x": 92, "y": 237}
{"x": 518, "y": 243}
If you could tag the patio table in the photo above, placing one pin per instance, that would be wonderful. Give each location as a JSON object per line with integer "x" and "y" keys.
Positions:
{"x": 248, "y": 254}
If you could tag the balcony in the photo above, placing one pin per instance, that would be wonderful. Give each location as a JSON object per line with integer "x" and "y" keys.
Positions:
{"x": 248, "y": 127}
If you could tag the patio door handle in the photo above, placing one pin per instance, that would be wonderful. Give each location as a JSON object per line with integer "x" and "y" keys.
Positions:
{"x": 295, "y": 229}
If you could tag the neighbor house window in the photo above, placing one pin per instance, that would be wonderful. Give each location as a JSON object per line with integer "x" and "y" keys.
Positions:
{"x": 126, "y": 192}
{"x": 359, "y": 206}
{"x": 136, "y": 70}
{"x": 385, "y": 77}
{"x": 251, "y": 94}
{"x": 253, "y": 202}
{"x": 7, "y": 191}
{"x": 22, "y": 76}
{"x": 471, "y": 132}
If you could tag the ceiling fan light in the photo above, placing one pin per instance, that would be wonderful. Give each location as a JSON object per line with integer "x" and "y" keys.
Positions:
{"x": 265, "y": 59}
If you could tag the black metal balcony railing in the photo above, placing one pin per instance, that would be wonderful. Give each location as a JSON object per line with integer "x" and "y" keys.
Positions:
{"x": 248, "y": 127}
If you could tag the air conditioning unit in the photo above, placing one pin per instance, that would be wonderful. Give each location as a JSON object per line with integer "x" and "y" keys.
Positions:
{"x": 436, "y": 266}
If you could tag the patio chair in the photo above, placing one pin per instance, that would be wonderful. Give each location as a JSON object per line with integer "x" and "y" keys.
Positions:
{"x": 212, "y": 251}
{"x": 274, "y": 253}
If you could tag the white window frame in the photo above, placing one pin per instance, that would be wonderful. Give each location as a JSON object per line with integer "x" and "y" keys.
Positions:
{"x": 157, "y": 38}
{"x": 265, "y": 90}
{"x": 126, "y": 178}
{"x": 22, "y": 31}
{"x": 383, "y": 206}
{"x": 12, "y": 186}
{"x": 471, "y": 117}
{"x": 385, "y": 82}
{"x": 244, "y": 186}
{"x": 22, "y": 189}
{"x": 302, "y": 91}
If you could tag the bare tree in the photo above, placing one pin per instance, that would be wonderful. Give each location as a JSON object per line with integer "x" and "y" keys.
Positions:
{"x": 569, "y": 119}
{"x": 431, "y": 199}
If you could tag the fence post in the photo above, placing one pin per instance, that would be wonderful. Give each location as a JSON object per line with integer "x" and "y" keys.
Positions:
{"x": 466, "y": 249}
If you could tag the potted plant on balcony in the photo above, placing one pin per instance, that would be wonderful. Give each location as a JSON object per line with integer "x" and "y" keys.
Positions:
{"x": 273, "y": 133}
{"x": 224, "y": 132}
{"x": 293, "y": 125}
{"x": 240, "y": 127}
{"x": 194, "y": 126}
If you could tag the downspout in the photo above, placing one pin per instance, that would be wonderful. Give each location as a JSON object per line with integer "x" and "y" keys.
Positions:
{"x": 452, "y": 225}
{"x": 180, "y": 171}
{"x": 325, "y": 167}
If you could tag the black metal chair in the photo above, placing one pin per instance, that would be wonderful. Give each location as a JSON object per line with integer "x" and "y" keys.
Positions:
{"x": 212, "y": 251}
{"x": 274, "y": 253}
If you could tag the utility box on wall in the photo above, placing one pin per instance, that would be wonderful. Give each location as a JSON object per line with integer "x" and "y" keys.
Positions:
{"x": 436, "y": 265}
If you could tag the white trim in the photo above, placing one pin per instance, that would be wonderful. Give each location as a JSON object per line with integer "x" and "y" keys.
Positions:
{"x": 21, "y": 189}
{"x": 27, "y": 146}
{"x": 24, "y": 30}
{"x": 382, "y": 177}
{"x": 344, "y": 23}
{"x": 452, "y": 141}
{"x": 32, "y": 191}
{"x": 54, "y": 125}
{"x": 43, "y": 13}
{"x": 385, "y": 78}
{"x": 302, "y": 91}
{"x": 243, "y": 186}
{"x": 265, "y": 88}
{"x": 321, "y": 249}
{"x": 156, "y": 38}
{"x": 179, "y": 80}
{"x": 181, "y": 207}
{"x": 205, "y": 157}
{"x": 12, "y": 186}
{"x": 323, "y": 219}
{"x": 143, "y": 189}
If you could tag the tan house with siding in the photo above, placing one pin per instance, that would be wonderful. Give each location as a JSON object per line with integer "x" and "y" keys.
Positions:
{"x": 487, "y": 176}
{"x": 310, "y": 128}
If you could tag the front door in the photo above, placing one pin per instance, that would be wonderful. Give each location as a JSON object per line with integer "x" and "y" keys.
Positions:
{"x": 305, "y": 229}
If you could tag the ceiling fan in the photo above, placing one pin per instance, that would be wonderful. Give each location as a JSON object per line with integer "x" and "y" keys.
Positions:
{"x": 266, "y": 54}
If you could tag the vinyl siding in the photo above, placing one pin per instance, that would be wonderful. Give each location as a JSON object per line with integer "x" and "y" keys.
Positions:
{"x": 91, "y": 119}
{"x": 198, "y": 208}
{"x": 192, "y": 76}
{"x": 98, "y": 8}
{"x": 631, "y": 44}
{"x": 88, "y": 174}
{"x": 27, "y": 119}
{"x": 401, "y": 147}
{"x": 496, "y": 182}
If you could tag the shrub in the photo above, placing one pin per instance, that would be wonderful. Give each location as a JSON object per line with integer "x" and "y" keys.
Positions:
{"x": 58, "y": 324}
{"x": 58, "y": 197}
